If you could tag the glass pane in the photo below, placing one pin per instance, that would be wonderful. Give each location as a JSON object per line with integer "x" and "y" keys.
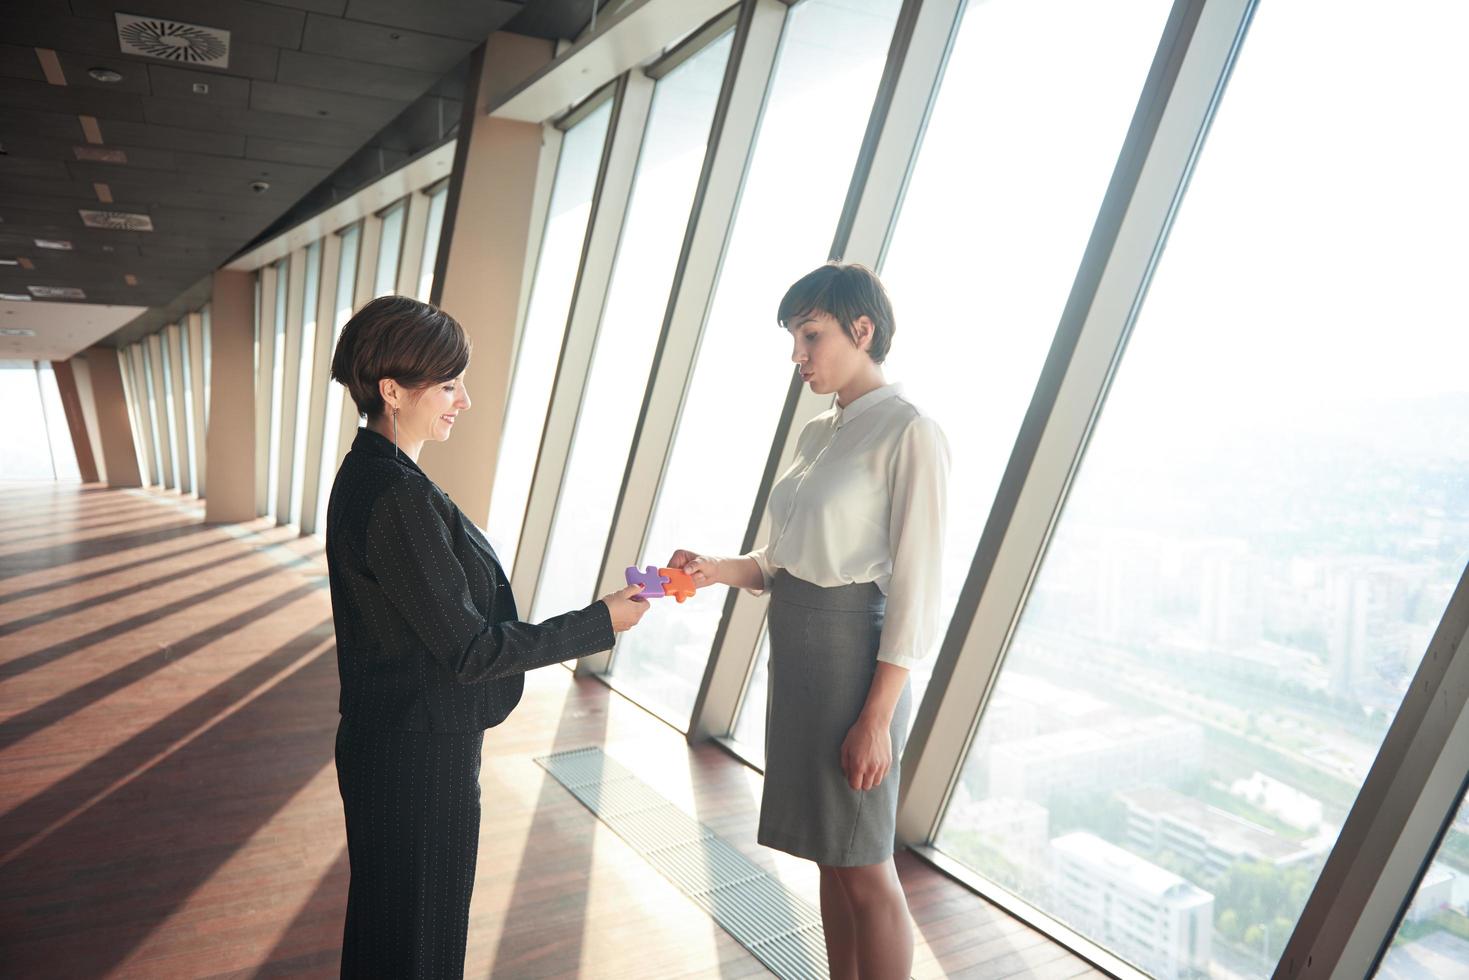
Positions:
{"x": 332, "y": 427}
{"x": 1268, "y": 522}
{"x": 750, "y": 727}
{"x": 154, "y": 439}
{"x": 652, "y": 236}
{"x": 306, "y": 377}
{"x": 431, "y": 242}
{"x": 187, "y": 369}
{"x": 1433, "y": 940}
{"x": 820, "y": 98}
{"x": 165, "y": 357}
{"x": 539, "y": 349}
{"x": 1033, "y": 208}
{"x": 277, "y": 384}
{"x": 390, "y": 247}
{"x": 27, "y": 453}
{"x": 63, "y": 452}
{"x": 208, "y": 363}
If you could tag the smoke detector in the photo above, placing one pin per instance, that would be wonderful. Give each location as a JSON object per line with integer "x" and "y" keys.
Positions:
{"x": 171, "y": 40}
{"x": 116, "y": 220}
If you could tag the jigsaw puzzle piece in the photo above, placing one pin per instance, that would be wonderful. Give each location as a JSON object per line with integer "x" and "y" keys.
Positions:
{"x": 651, "y": 580}
{"x": 677, "y": 583}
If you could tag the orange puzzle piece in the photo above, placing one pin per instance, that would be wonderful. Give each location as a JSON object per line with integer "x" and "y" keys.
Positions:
{"x": 679, "y": 585}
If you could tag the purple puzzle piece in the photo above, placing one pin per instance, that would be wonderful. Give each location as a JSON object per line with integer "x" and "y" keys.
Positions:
{"x": 650, "y": 580}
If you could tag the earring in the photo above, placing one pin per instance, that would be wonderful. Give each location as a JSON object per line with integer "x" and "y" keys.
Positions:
{"x": 395, "y": 433}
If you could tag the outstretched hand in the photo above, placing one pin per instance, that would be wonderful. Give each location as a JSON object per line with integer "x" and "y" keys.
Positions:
{"x": 701, "y": 569}
{"x": 626, "y": 608}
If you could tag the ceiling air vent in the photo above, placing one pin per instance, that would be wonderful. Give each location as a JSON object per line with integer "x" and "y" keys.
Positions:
{"x": 171, "y": 40}
{"x": 116, "y": 220}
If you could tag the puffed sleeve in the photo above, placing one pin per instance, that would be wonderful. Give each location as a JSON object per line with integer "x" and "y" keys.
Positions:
{"x": 920, "y": 479}
{"x": 410, "y": 550}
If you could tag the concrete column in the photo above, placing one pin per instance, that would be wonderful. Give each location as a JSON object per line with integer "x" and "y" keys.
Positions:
{"x": 71, "y": 405}
{"x": 230, "y": 439}
{"x": 99, "y": 381}
{"x": 484, "y": 258}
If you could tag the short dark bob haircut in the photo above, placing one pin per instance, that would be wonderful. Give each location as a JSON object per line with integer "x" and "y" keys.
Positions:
{"x": 848, "y": 291}
{"x": 395, "y": 337}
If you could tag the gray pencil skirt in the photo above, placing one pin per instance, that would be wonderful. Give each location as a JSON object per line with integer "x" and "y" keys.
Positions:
{"x": 823, "y": 655}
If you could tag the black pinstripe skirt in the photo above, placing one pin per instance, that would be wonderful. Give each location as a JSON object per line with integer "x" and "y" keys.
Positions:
{"x": 412, "y": 805}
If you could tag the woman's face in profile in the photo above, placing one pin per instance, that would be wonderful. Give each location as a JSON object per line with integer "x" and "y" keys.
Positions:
{"x": 823, "y": 353}
{"x": 433, "y": 413}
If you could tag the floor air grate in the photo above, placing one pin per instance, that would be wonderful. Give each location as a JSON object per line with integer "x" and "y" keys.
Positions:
{"x": 782, "y": 930}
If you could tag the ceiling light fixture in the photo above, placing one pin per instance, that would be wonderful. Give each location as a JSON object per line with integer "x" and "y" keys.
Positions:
{"x": 16, "y": 297}
{"x": 57, "y": 292}
{"x": 9, "y": 261}
{"x": 105, "y": 74}
{"x": 53, "y": 243}
{"x": 17, "y": 331}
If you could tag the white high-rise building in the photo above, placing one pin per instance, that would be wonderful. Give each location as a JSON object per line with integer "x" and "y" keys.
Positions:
{"x": 1146, "y": 914}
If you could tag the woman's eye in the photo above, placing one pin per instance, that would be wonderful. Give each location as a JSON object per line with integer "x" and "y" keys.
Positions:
{"x": 810, "y": 338}
{"x": 448, "y": 387}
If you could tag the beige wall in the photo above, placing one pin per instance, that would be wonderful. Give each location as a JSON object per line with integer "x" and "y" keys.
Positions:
{"x": 487, "y": 242}
{"x": 230, "y": 441}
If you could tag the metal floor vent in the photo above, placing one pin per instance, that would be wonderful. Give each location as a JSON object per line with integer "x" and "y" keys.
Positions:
{"x": 781, "y": 929}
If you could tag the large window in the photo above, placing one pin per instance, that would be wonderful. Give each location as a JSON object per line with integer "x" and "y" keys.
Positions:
{"x": 976, "y": 313}
{"x": 155, "y": 438}
{"x": 305, "y": 377}
{"x": 332, "y": 427}
{"x": 431, "y": 234}
{"x": 191, "y": 439}
{"x": 34, "y": 449}
{"x": 389, "y": 250}
{"x": 545, "y": 326}
{"x": 669, "y": 164}
{"x": 277, "y": 384}
{"x": 170, "y": 409}
{"x": 1432, "y": 940}
{"x": 1268, "y": 523}
{"x": 830, "y": 62}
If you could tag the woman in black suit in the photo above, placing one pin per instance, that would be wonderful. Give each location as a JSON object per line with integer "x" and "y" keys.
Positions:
{"x": 430, "y": 647}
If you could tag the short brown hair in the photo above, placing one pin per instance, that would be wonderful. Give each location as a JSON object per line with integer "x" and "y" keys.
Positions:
{"x": 848, "y": 291}
{"x": 395, "y": 337}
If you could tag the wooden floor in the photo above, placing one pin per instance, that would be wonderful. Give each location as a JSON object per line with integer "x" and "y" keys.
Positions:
{"x": 168, "y": 802}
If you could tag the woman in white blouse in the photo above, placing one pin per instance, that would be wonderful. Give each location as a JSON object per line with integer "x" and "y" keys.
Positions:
{"x": 852, "y": 564}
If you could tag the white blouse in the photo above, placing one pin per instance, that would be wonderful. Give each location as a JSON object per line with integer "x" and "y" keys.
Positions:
{"x": 865, "y": 501}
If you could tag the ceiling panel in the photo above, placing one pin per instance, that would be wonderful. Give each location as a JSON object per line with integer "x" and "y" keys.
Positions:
{"x": 452, "y": 18}
{"x": 320, "y": 97}
{"x": 375, "y": 43}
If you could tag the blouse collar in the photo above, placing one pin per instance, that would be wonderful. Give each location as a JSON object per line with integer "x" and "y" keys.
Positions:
{"x": 861, "y": 405}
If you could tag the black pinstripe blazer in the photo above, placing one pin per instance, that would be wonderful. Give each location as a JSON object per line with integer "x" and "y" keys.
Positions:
{"x": 428, "y": 636}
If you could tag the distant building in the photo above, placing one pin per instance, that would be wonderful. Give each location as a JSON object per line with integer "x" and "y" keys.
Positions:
{"x": 1286, "y": 803}
{"x": 1435, "y": 892}
{"x": 1099, "y": 759}
{"x": 1160, "y": 819}
{"x": 1146, "y": 914}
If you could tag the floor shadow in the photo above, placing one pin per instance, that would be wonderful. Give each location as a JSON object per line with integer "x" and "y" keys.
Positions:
{"x": 61, "y": 554}
{"x": 94, "y": 602}
{"x": 312, "y": 943}
{"x": 111, "y": 570}
{"x": 10, "y": 520}
{"x": 48, "y": 713}
{"x": 40, "y": 811}
{"x": 523, "y": 952}
{"x": 86, "y": 897}
{"x": 78, "y": 529}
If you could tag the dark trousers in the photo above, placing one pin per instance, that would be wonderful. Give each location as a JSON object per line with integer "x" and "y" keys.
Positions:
{"x": 412, "y": 805}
